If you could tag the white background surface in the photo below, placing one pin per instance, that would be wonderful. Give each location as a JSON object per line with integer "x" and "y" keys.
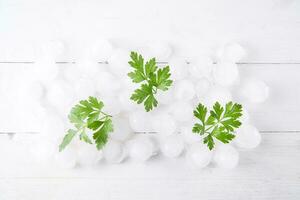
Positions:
{"x": 268, "y": 29}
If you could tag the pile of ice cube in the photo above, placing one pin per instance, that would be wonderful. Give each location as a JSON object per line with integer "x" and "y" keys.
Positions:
{"x": 102, "y": 72}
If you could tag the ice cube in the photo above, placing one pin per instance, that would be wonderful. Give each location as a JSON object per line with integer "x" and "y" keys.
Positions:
{"x": 107, "y": 84}
{"x": 182, "y": 111}
{"x": 226, "y": 73}
{"x": 184, "y": 90}
{"x": 88, "y": 68}
{"x": 118, "y": 63}
{"x": 88, "y": 154}
{"x": 113, "y": 152}
{"x": 71, "y": 73}
{"x": 164, "y": 124}
{"x": 232, "y": 52}
{"x": 122, "y": 130}
{"x": 247, "y": 136}
{"x": 178, "y": 68}
{"x": 226, "y": 156}
{"x": 60, "y": 95}
{"x": 202, "y": 87}
{"x": 172, "y": 146}
{"x": 126, "y": 103}
{"x": 255, "y": 91}
{"x": 141, "y": 149}
{"x": 139, "y": 121}
{"x": 112, "y": 106}
{"x": 46, "y": 71}
{"x": 201, "y": 67}
{"x": 84, "y": 88}
{"x": 165, "y": 97}
{"x": 187, "y": 134}
{"x": 217, "y": 93}
{"x": 198, "y": 155}
{"x": 100, "y": 50}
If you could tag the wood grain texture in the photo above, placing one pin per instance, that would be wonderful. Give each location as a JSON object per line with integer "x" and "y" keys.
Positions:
{"x": 268, "y": 172}
{"x": 269, "y": 30}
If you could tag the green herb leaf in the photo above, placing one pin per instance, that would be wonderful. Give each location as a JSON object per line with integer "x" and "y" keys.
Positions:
{"x": 152, "y": 79}
{"x": 88, "y": 114}
{"x": 67, "y": 139}
{"x": 220, "y": 124}
{"x": 101, "y": 135}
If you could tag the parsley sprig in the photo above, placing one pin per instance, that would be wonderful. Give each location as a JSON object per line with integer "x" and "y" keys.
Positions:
{"x": 152, "y": 77}
{"x": 220, "y": 124}
{"x": 88, "y": 115}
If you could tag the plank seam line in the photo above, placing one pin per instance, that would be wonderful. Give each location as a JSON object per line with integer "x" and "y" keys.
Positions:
{"x": 33, "y": 133}
{"x": 159, "y": 62}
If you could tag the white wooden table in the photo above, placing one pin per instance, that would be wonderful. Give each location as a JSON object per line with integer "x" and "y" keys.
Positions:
{"x": 269, "y": 30}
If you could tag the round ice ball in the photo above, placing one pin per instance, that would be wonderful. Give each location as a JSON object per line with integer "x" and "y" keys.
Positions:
{"x": 255, "y": 91}
{"x": 200, "y": 67}
{"x": 233, "y": 52}
{"x": 182, "y": 111}
{"x": 247, "y": 137}
{"x": 198, "y": 155}
{"x": 165, "y": 97}
{"x": 122, "y": 130}
{"x": 112, "y": 105}
{"x": 88, "y": 68}
{"x": 217, "y": 93}
{"x": 71, "y": 73}
{"x": 226, "y": 73}
{"x": 107, "y": 84}
{"x": 160, "y": 50}
{"x": 164, "y": 124}
{"x": 88, "y": 155}
{"x": 245, "y": 118}
{"x": 141, "y": 149}
{"x": 172, "y": 146}
{"x": 101, "y": 50}
{"x": 139, "y": 121}
{"x": 178, "y": 68}
{"x": 60, "y": 95}
{"x": 66, "y": 159}
{"x": 118, "y": 63}
{"x": 188, "y": 136}
{"x": 226, "y": 156}
{"x": 113, "y": 152}
{"x": 126, "y": 103}
{"x": 84, "y": 88}
{"x": 202, "y": 87}
{"x": 184, "y": 90}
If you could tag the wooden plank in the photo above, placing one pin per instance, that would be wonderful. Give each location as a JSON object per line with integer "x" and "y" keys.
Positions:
{"x": 269, "y": 31}
{"x": 268, "y": 172}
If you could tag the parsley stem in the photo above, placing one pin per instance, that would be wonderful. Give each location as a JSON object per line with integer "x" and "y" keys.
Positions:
{"x": 107, "y": 115}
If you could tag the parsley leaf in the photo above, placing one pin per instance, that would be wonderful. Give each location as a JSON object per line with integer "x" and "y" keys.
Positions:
{"x": 152, "y": 79}
{"x": 88, "y": 114}
{"x": 220, "y": 124}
